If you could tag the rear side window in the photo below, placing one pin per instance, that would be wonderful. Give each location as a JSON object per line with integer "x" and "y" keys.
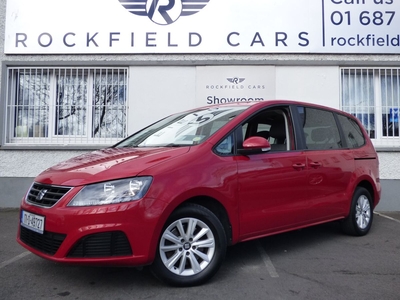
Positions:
{"x": 352, "y": 132}
{"x": 320, "y": 129}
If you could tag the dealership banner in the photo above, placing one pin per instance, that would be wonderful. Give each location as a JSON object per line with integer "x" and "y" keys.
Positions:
{"x": 201, "y": 26}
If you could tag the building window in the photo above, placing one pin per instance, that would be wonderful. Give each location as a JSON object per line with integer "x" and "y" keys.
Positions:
{"x": 373, "y": 96}
{"x": 68, "y": 106}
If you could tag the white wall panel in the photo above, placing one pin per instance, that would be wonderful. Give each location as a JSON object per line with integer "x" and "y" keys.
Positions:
{"x": 313, "y": 84}
{"x": 27, "y": 163}
{"x": 155, "y": 92}
{"x": 229, "y": 84}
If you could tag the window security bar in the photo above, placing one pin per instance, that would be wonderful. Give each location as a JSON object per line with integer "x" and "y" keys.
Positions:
{"x": 373, "y": 96}
{"x": 66, "y": 106}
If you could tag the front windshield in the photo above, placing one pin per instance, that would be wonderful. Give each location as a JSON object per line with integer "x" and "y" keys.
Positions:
{"x": 185, "y": 129}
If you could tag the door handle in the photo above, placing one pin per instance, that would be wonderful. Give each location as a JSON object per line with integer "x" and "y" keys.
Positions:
{"x": 315, "y": 164}
{"x": 299, "y": 166}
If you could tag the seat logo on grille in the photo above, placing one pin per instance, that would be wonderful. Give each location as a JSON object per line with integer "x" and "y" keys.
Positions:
{"x": 41, "y": 194}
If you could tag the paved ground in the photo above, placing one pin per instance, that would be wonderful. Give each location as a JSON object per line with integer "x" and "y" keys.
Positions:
{"x": 314, "y": 263}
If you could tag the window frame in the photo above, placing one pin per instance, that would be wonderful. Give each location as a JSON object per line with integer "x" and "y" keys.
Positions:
{"x": 252, "y": 128}
{"x": 115, "y": 107}
{"x": 378, "y": 77}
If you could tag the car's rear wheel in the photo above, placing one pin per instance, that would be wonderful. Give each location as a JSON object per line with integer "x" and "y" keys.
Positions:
{"x": 191, "y": 248}
{"x": 359, "y": 221}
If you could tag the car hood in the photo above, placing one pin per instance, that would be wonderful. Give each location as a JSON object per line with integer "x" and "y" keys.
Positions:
{"x": 107, "y": 164}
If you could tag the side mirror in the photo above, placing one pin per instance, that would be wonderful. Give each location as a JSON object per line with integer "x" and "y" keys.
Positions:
{"x": 254, "y": 145}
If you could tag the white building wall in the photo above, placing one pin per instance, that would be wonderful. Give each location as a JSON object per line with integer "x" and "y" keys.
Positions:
{"x": 29, "y": 163}
{"x": 389, "y": 163}
{"x": 155, "y": 92}
{"x": 319, "y": 85}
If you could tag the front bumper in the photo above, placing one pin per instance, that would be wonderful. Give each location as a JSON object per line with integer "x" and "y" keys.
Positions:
{"x": 119, "y": 234}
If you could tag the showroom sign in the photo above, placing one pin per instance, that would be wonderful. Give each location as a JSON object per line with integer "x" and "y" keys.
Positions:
{"x": 231, "y": 84}
{"x": 202, "y": 26}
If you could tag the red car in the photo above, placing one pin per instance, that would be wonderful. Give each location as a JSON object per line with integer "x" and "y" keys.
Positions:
{"x": 177, "y": 193}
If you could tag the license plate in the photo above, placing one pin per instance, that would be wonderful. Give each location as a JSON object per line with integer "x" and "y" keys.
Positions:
{"x": 32, "y": 221}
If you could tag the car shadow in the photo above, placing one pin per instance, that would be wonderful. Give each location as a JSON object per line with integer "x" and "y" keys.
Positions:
{"x": 251, "y": 253}
{"x": 296, "y": 239}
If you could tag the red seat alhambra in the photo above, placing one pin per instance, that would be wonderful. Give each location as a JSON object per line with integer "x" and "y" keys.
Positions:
{"x": 176, "y": 194}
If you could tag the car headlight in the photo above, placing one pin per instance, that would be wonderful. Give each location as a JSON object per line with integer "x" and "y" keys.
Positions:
{"x": 112, "y": 192}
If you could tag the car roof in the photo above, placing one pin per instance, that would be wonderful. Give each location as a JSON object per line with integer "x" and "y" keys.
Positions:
{"x": 263, "y": 103}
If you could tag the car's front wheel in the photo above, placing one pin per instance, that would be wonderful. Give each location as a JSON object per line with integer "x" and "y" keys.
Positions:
{"x": 191, "y": 248}
{"x": 359, "y": 221}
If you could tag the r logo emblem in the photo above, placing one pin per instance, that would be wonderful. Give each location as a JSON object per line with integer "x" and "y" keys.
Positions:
{"x": 163, "y": 12}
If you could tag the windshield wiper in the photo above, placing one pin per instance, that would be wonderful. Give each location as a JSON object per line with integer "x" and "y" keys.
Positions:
{"x": 128, "y": 146}
{"x": 172, "y": 145}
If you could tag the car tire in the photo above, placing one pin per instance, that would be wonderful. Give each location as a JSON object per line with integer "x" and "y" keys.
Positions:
{"x": 359, "y": 221}
{"x": 191, "y": 248}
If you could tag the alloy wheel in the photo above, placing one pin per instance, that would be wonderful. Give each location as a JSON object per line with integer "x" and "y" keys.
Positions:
{"x": 187, "y": 246}
{"x": 363, "y": 212}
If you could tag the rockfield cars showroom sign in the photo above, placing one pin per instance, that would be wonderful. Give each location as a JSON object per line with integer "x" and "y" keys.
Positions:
{"x": 202, "y": 26}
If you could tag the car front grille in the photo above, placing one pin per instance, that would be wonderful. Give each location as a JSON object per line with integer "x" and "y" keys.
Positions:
{"x": 46, "y": 195}
{"x": 105, "y": 244}
{"x": 48, "y": 242}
